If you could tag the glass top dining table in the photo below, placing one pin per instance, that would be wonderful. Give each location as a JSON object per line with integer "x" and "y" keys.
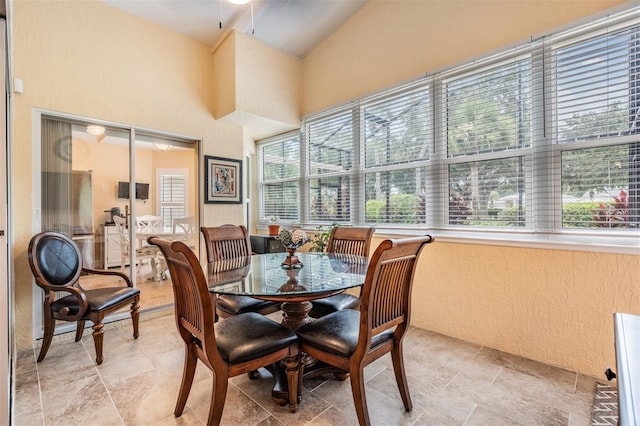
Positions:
{"x": 263, "y": 276}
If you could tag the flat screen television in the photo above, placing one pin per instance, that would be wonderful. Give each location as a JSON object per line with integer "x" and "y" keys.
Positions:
{"x": 123, "y": 190}
{"x": 142, "y": 190}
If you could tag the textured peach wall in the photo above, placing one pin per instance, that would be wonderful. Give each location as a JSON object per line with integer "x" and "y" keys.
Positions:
{"x": 553, "y": 306}
{"x": 224, "y": 77}
{"x": 268, "y": 82}
{"x": 389, "y": 42}
{"x": 255, "y": 79}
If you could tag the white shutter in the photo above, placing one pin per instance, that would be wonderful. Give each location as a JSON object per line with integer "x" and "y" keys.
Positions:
{"x": 172, "y": 198}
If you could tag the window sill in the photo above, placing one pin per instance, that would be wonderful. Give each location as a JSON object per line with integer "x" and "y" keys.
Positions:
{"x": 620, "y": 243}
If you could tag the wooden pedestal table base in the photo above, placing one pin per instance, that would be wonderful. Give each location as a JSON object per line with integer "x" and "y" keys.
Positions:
{"x": 296, "y": 314}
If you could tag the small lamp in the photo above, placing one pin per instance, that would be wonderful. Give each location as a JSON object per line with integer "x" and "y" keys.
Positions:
{"x": 95, "y": 130}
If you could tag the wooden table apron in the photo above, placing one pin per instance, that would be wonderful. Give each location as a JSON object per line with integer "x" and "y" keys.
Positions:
{"x": 263, "y": 277}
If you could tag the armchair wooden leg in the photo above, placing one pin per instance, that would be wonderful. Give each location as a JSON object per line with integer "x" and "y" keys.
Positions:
{"x": 98, "y": 334}
{"x": 359, "y": 396}
{"x": 135, "y": 316}
{"x": 79, "y": 330}
{"x": 218, "y": 396}
{"x": 49, "y": 325}
{"x": 188, "y": 371}
{"x": 401, "y": 377}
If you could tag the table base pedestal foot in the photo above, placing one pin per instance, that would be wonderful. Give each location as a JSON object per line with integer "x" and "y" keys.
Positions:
{"x": 319, "y": 368}
{"x": 280, "y": 390}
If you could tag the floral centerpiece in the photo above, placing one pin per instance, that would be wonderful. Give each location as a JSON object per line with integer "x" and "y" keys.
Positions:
{"x": 292, "y": 240}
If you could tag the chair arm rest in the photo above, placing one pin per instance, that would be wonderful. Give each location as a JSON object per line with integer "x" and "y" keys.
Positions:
{"x": 76, "y": 293}
{"x": 104, "y": 272}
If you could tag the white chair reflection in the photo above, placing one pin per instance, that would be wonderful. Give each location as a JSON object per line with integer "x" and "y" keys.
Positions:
{"x": 149, "y": 223}
{"x": 150, "y": 253}
{"x": 184, "y": 229}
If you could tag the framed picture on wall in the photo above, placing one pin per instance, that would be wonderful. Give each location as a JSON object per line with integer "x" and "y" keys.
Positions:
{"x": 222, "y": 180}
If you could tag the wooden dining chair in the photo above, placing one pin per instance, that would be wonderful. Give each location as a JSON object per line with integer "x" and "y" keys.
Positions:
{"x": 348, "y": 241}
{"x": 228, "y": 242}
{"x": 350, "y": 340}
{"x": 235, "y": 346}
{"x": 56, "y": 264}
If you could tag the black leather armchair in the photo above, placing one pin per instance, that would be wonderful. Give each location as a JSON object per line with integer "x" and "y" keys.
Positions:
{"x": 56, "y": 264}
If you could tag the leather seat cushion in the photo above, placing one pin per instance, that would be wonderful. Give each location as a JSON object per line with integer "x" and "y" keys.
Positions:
{"x": 248, "y": 336}
{"x": 241, "y": 304}
{"x": 337, "y": 333}
{"x": 338, "y": 302}
{"x": 98, "y": 299}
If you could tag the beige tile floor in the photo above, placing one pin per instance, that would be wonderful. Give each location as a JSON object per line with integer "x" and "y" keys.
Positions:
{"x": 451, "y": 382}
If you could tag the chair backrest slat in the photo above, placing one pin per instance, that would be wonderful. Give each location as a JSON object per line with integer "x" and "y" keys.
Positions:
{"x": 389, "y": 298}
{"x": 349, "y": 240}
{"x": 387, "y": 289}
{"x": 226, "y": 242}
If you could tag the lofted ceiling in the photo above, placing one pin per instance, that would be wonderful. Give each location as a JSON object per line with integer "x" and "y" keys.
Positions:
{"x": 294, "y": 27}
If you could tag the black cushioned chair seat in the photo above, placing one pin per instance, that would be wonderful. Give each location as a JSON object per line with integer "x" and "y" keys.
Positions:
{"x": 338, "y": 333}
{"x": 99, "y": 299}
{"x": 249, "y": 336}
{"x": 328, "y": 305}
{"x": 242, "y": 304}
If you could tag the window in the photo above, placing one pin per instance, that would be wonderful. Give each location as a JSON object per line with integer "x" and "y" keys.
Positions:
{"x": 541, "y": 141}
{"x": 172, "y": 199}
{"x": 279, "y": 177}
{"x": 331, "y": 161}
{"x": 598, "y": 112}
{"x": 396, "y": 137}
{"x": 488, "y": 132}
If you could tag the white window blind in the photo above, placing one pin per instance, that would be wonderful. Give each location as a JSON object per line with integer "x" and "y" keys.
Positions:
{"x": 279, "y": 160}
{"x": 397, "y": 130}
{"x": 597, "y": 100}
{"x": 331, "y": 154}
{"x": 541, "y": 139}
{"x": 488, "y": 136}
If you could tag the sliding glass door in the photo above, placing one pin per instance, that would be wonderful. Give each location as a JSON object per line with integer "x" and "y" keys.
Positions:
{"x": 110, "y": 187}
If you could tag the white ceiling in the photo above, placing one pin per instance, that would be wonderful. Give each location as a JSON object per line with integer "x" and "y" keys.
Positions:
{"x": 294, "y": 27}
